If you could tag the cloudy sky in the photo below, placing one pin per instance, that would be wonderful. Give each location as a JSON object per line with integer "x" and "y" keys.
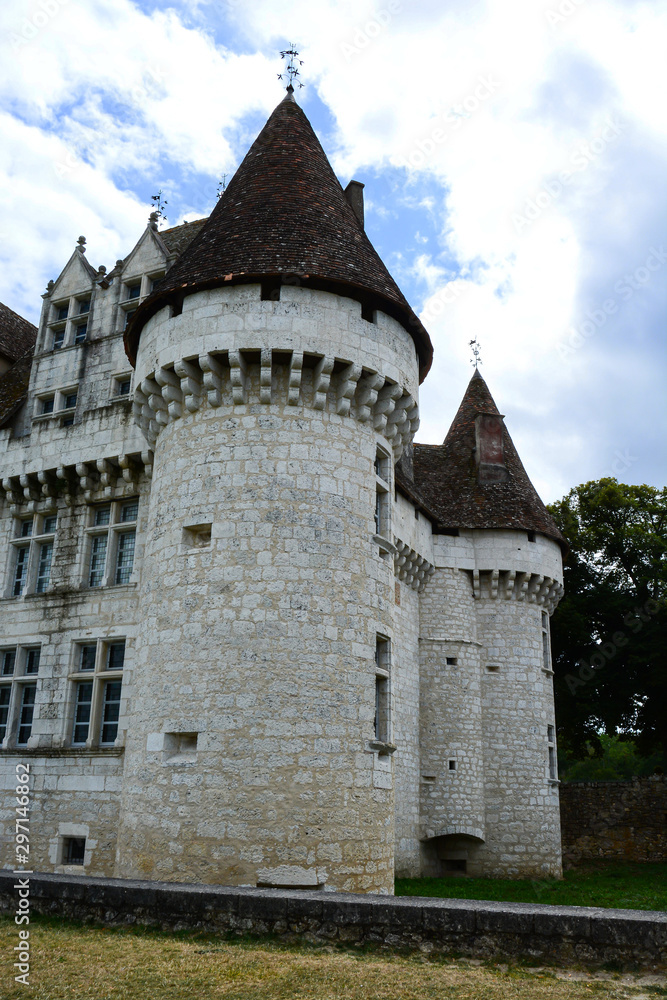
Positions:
{"x": 514, "y": 156}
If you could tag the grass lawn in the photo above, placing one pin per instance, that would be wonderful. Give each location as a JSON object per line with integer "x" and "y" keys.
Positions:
{"x": 625, "y": 885}
{"x": 73, "y": 962}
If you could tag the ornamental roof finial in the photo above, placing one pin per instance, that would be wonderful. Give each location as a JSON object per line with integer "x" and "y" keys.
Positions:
{"x": 291, "y": 70}
{"x": 476, "y": 359}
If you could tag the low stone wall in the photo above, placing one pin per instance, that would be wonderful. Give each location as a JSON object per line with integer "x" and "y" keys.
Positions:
{"x": 558, "y": 934}
{"x": 614, "y": 819}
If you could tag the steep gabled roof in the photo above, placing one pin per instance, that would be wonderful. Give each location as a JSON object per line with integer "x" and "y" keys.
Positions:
{"x": 17, "y": 335}
{"x": 284, "y": 215}
{"x": 14, "y": 386}
{"x": 178, "y": 238}
{"x": 446, "y": 477}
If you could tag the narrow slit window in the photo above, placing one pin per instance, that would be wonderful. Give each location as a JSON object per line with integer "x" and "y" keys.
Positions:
{"x": 5, "y": 696}
{"x": 44, "y": 567}
{"x": 74, "y": 850}
{"x": 110, "y": 712}
{"x": 82, "y": 712}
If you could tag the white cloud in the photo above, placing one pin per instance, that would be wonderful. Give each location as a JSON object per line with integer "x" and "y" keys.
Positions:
{"x": 489, "y": 102}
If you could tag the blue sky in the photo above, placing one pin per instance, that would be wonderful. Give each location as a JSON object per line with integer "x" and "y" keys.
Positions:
{"x": 514, "y": 160}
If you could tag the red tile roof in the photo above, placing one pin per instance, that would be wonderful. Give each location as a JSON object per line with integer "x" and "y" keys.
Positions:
{"x": 445, "y": 478}
{"x": 284, "y": 215}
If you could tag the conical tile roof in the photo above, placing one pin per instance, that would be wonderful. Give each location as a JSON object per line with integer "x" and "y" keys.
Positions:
{"x": 284, "y": 214}
{"x": 446, "y": 477}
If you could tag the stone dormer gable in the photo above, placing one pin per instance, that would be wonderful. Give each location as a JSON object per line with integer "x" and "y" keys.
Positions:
{"x": 77, "y": 276}
{"x": 475, "y": 479}
{"x": 284, "y": 218}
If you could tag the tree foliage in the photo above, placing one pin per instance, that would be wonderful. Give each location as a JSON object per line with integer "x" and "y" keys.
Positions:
{"x": 609, "y": 634}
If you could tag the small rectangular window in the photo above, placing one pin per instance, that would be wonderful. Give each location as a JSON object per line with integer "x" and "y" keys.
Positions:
{"x": 74, "y": 850}
{"x": 47, "y": 405}
{"x": 80, "y": 333}
{"x": 134, "y": 291}
{"x": 58, "y": 339}
{"x": 5, "y": 695}
{"x": 44, "y": 567}
{"x": 49, "y": 526}
{"x": 110, "y": 711}
{"x": 82, "y": 712}
{"x": 115, "y": 655}
{"x": 87, "y": 656}
{"x": 123, "y": 386}
{"x": 129, "y": 511}
{"x": 62, "y": 312}
{"x": 125, "y": 556}
{"x": 26, "y": 528}
{"x": 69, "y": 401}
{"x": 27, "y": 713}
{"x": 32, "y": 660}
{"x": 84, "y": 306}
{"x": 98, "y": 554}
{"x": 20, "y": 570}
{"x": 8, "y": 662}
{"x": 102, "y": 515}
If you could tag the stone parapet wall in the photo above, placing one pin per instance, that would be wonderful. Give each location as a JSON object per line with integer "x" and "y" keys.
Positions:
{"x": 476, "y": 929}
{"x": 615, "y": 819}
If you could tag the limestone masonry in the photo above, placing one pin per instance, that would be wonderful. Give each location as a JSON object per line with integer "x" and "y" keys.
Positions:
{"x": 251, "y": 633}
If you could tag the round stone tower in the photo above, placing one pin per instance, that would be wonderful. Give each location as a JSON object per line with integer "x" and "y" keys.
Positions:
{"x": 277, "y": 372}
{"x": 489, "y": 788}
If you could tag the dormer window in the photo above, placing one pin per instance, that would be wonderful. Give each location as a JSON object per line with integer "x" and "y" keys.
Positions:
{"x": 47, "y": 404}
{"x": 134, "y": 291}
{"x": 65, "y": 327}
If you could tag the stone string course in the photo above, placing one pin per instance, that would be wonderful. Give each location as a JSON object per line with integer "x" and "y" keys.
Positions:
{"x": 471, "y": 928}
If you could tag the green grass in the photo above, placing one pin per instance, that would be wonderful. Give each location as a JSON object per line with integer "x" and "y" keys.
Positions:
{"x": 75, "y": 962}
{"x": 624, "y": 885}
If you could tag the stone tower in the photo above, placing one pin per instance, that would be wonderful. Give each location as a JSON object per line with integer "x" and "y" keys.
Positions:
{"x": 489, "y": 795}
{"x": 277, "y": 369}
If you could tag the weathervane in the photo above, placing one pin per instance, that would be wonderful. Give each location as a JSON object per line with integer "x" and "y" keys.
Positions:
{"x": 476, "y": 359}
{"x": 291, "y": 70}
{"x": 222, "y": 186}
{"x": 159, "y": 205}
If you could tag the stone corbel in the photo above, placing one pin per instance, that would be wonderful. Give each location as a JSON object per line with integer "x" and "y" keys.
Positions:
{"x": 171, "y": 391}
{"x": 321, "y": 382}
{"x": 346, "y": 388}
{"x": 237, "y": 376}
{"x": 191, "y": 384}
{"x": 295, "y": 373}
{"x": 367, "y": 394}
{"x": 265, "y": 375}
{"x": 386, "y": 404}
{"x": 212, "y": 378}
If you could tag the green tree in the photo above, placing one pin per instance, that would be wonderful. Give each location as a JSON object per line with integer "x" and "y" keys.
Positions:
{"x": 609, "y": 634}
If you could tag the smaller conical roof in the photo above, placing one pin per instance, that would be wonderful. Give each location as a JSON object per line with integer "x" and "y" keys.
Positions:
{"x": 447, "y": 477}
{"x": 285, "y": 216}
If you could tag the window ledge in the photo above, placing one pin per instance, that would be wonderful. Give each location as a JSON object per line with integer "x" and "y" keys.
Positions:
{"x": 381, "y": 748}
{"x": 384, "y": 544}
{"x": 549, "y": 673}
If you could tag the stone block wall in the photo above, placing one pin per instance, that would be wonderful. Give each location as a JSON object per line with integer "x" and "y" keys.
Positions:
{"x": 615, "y": 819}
